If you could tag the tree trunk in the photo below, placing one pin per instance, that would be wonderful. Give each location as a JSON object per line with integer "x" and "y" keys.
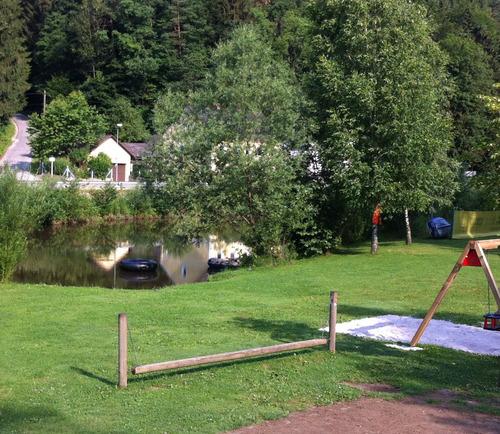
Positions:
{"x": 375, "y": 239}
{"x": 377, "y": 221}
{"x": 408, "y": 228}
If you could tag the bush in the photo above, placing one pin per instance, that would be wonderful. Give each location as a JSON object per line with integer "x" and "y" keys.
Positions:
{"x": 70, "y": 205}
{"x": 41, "y": 167}
{"x": 104, "y": 198}
{"x": 21, "y": 212}
{"x": 100, "y": 165}
{"x": 139, "y": 203}
{"x": 7, "y": 131}
{"x": 59, "y": 165}
{"x": 78, "y": 156}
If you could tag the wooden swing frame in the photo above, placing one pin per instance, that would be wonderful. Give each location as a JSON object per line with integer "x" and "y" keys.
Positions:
{"x": 473, "y": 255}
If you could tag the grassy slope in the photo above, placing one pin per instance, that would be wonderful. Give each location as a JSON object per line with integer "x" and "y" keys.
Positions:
{"x": 59, "y": 345}
{"x": 6, "y": 134}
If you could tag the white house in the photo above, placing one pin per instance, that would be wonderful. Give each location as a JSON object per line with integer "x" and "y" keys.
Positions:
{"x": 123, "y": 155}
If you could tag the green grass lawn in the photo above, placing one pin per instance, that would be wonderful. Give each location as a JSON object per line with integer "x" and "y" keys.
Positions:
{"x": 59, "y": 345}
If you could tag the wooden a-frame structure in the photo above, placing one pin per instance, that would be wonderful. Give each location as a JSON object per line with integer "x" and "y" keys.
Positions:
{"x": 473, "y": 256}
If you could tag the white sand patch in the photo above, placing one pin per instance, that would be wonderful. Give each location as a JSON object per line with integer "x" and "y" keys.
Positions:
{"x": 442, "y": 333}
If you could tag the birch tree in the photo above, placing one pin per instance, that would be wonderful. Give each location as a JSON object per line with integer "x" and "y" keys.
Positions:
{"x": 379, "y": 84}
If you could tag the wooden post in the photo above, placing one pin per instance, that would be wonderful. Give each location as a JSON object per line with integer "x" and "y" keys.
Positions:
{"x": 333, "y": 320}
{"x": 440, "y": 297}
{"x": 489, "y": 275}
{"x": 122, "y": 350}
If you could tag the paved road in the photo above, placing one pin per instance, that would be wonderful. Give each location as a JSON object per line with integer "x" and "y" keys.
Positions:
{"x": 19, "y": 156}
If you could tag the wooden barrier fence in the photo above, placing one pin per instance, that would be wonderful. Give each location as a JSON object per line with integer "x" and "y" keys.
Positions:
{"x": 223, "y": 357}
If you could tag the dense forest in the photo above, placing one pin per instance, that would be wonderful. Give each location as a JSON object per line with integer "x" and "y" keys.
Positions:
{"x": 391, "y": 101}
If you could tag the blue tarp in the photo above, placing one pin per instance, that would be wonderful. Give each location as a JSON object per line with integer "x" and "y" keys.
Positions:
{"x": 439, "y": 227}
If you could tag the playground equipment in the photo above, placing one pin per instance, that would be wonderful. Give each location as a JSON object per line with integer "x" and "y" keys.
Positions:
{"x": 472, "y": 256}
{"x": 223, "y": 357}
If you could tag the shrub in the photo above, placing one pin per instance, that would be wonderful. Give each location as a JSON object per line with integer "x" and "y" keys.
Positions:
{"x": 69, "y": 204}
{"x": 38, "y": 167}
{"x": 140, "y": 204}
{"x": 59, "y": 165}
{"x": 100, "y": 165}
{"x": 78, "y": 156}
{"x": 104, "y": 198}
{"x": 21, "y": 212}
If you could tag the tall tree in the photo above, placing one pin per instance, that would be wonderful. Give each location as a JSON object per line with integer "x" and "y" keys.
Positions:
{"x": 93, "y": 23}
{"x": 469, "y": 33}
{"x": 378, "y": 80}
{"x": 34, "y": 13}
{"x": 54, "y": 50}
{"x": 228, "y": 157}
{"x": 14, "y": 66}
{"x": 142, "y": 49}
{"x": 69, "y": 123}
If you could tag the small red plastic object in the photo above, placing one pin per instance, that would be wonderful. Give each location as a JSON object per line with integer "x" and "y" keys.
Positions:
{"x": 492, "y": 321}
{"x": 471, "y": 260}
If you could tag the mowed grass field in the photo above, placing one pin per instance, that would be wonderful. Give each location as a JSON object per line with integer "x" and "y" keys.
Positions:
{"x": 59, "y": 345}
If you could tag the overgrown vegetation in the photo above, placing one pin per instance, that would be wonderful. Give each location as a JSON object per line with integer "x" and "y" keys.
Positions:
{"x": 20, "y": 214}
{"x": 61, "y": 366}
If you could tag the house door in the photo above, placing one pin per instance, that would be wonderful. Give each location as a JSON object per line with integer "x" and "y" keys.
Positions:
{"x": 119, "y": 172}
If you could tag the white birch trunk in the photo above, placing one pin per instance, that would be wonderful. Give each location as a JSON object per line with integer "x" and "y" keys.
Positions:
{"x": 408, "y": 228}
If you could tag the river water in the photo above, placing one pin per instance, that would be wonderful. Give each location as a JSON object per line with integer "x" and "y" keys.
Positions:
{"x": 90, "y": 256}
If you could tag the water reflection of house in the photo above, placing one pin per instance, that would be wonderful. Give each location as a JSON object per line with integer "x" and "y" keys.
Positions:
{"x": 108, "y": 261}
{"x": 222, "y": 249}
{"x": 191, "y": 266}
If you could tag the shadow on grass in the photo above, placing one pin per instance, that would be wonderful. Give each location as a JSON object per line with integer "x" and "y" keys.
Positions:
{"x": 417, "y": 372}
{"x": 446, "y": 243}
{"x": 93, "y": 376}
{"x": 25, "y": 418}
{"x": 283, "y": 331}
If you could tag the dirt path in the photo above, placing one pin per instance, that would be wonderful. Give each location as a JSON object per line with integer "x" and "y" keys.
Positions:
{"x": 434, "y": 413}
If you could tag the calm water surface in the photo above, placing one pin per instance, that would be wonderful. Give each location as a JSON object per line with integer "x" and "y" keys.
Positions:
{"x": 90, "y": 255}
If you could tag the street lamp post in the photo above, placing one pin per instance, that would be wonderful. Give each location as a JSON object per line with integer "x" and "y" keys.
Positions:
{"x": 118, "y": 126}
{"x": 52, "y": 159}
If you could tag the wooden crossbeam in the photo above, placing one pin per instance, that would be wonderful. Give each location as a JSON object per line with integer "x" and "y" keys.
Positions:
{"x": 224, "y": 357}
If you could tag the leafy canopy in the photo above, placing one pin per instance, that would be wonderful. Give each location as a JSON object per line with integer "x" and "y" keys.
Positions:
{"x": 68, "y": 123}
{"x": 378, "y": 81}
{"x": 228, "y": 158}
